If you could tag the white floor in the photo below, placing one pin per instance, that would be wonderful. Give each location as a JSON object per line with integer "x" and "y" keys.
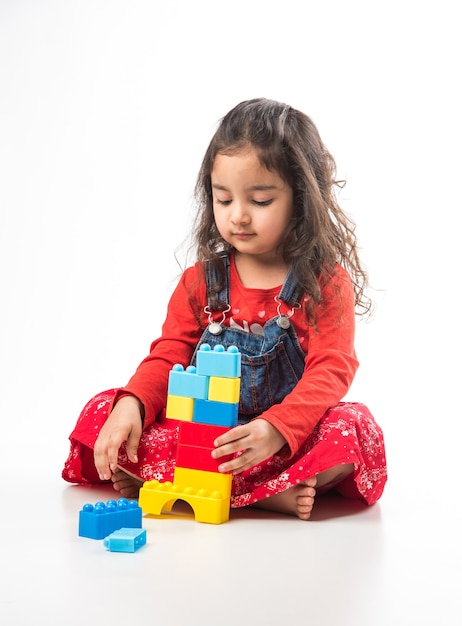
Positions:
{"x": 396, "y": 563}
{"x": 106, "y": 108}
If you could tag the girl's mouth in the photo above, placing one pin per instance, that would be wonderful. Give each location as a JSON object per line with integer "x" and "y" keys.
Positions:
{"x": 241, "y": 235}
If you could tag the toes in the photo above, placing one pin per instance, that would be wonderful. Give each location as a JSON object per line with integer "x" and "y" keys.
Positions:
{"x": 117, "y": 475}
{"x": 130, "y": 492}
{"x": 304, "y": 491}
{"x": 125, "y": 485}
{"x": 126, "y": 489}
{"x": 305, "y": 502}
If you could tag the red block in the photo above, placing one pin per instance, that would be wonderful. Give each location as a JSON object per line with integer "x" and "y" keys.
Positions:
{"x": 195, "y": 445}
{"x": 197, "y": 434}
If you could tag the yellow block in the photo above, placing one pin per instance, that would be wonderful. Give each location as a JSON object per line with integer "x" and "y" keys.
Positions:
{"x": 224, "y": 389}
{"x": 179, "y": 408}
{"x": 201, "y": 479}
{"x": 208, "y": 494}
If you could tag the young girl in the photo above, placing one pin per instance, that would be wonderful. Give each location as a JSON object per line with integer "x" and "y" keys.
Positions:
{"x": 277, "y": 275}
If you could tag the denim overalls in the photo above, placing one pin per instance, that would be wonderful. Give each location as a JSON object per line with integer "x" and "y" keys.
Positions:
{"x": 271, "y": 364}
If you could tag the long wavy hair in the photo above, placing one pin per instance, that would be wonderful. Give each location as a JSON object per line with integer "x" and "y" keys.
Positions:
{"x": 320, "y": 234}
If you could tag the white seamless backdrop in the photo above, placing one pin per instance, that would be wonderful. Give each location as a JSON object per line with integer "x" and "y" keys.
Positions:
{"x": 106, "y": 109}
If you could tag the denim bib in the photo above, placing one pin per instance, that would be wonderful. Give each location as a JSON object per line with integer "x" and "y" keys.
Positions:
{"x": 272, "y": 363}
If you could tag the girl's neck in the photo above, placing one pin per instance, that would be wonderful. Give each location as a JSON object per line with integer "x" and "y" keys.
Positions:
{"x": 257, "y": 272}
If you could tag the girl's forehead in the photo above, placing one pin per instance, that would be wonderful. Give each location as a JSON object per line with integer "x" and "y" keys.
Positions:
{"x": 243, "y": 170}
{"x": 245, "y": 159}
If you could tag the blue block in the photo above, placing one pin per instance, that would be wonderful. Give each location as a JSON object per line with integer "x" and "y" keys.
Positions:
{"x": 216, "y": 413}
{"x": 187, "y": 383}
{"x": 100, "y": 520}
{"x": 218, "y": 362}
{"x": 125, "y": 540}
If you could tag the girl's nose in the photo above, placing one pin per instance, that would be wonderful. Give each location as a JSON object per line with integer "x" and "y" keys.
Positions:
{"x": 239, "y": 214}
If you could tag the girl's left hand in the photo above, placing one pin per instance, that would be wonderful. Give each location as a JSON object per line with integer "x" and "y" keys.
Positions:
{"x": 258, "y": 439}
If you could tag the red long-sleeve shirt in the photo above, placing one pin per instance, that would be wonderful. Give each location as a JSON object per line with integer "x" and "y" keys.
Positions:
{"x": 330, "y": 362}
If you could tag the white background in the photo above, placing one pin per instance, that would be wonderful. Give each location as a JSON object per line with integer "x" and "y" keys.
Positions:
{"x": 106, "y": 110}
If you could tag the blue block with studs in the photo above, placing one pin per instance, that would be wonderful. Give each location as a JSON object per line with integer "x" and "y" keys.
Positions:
{"x": 187, "y": 383}
{"x": 101, "y": 519}
{"x": 218, "y": 362}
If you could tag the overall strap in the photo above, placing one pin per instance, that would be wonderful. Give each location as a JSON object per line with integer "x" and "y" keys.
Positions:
{"x": 290, "y": 293}
{"x": 212, "y": 277}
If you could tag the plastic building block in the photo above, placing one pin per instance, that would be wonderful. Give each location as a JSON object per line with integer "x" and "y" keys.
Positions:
{"x": 208, "y": 494}
{"x": 125, "y": 540}
{"x": 187, "y": 383}
{"x": 198, "y": 458}
{"x": 218, "y": 413}
{"x": 203, "y": 435}
{"x": 224, "y": 389}
{"x": 210, "y": 481}
{"x": 218, "y": 362}
{"x": 179, "y": 408}
{"x": 100, "y": 520}
{"x": 195, "y": 445}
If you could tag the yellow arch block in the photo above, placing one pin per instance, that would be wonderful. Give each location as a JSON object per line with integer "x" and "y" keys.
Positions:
{"x": 208, "y": 494}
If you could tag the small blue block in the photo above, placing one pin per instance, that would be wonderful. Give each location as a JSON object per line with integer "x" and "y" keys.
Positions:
{"x": 218, "y": 362}
{"x": 99, "y": 520}
{"x": 125, "y": 540}
{"x": 187, "y": 383}
{"x": 217, "y": 413}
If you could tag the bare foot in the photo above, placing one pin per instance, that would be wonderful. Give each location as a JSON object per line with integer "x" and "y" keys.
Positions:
{"x": 127, "y": 485}
{"x": 298, "y": 500}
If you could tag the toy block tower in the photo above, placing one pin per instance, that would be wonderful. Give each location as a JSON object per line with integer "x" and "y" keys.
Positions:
{"x": 205, "y": 399}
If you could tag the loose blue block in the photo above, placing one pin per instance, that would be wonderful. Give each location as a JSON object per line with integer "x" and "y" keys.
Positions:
{"x": 216, "y": 413}
{"x": 100, "y": 520}
{"x": 125, "y": 540}
{"x": 218, "y": 362}
{"x": 187, "y": 383}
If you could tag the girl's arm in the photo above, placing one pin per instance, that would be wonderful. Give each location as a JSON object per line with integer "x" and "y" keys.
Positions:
{"x": 180, "y": 334}
{"x": 144, "y": 397}
{"x": 330, "y": 366}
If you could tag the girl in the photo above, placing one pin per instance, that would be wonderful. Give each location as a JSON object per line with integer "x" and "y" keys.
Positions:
{"x": 278, "y": 275}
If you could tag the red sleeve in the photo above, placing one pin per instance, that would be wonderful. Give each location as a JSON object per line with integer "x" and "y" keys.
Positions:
{"x": 180, "y": 335}
{"x": 330, "y": 366}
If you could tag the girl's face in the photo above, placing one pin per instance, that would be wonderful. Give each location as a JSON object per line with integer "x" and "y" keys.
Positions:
{"x": 251, "y": 205}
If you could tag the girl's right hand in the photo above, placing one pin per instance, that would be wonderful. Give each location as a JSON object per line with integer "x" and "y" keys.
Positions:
{"x": 123, "y": 424}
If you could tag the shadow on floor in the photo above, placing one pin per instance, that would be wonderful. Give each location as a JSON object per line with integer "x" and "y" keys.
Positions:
{"x": 328, "y": 506}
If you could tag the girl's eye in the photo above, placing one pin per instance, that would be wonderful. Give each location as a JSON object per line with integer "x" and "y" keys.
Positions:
{"x": 262, "y": 202}
{"x": 223, "y": 202}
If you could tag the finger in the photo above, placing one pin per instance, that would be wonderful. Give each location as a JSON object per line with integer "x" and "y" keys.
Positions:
{"x": 100, "y": 459}
{"x": 234, "y": 434}
{"x": 230, "y": 447}
{"x": 102, "y": 466}
{"x": 236, "y": 465}
{"x": 132, "y": 446}
{"x": 113, "y": 452}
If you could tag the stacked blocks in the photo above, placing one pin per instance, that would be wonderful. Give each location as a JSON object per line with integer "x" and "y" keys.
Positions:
{"x": 125, "y": 540}
{"x": 100, "y": 520}
{"x": 205, "y": 399}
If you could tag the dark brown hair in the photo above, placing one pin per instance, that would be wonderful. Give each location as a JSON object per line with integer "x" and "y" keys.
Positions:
{"x": 320, "y": 233}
